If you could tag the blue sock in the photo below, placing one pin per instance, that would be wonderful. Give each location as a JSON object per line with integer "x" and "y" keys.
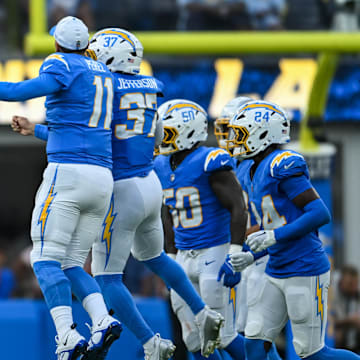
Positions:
{"x": 327, "y": 353}
{"x": 273, "y": 354}
{"x": 254, "y": 349}
{"x": 53, "y": 283}
{"x": 237, "y": 348}
{"x": 224, "y": 355}
{"x": 215, "y": 356}
{"x": 118, "y": 297}
{"x": 82, "y": 283}
{"x": 174, "y": 276}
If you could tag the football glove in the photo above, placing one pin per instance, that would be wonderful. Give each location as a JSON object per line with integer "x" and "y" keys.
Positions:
{"x": 231, "y": 277}
{"x": 261, "y": 240}
{"x": 241, "y": 260}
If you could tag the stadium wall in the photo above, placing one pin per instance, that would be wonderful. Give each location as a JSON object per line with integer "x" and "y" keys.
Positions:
{"x": 28, "y": 331}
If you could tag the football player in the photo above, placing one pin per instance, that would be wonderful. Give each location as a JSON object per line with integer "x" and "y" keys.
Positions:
{"x": 204, "y": 210}
{"x": 77, "y": 185}
{"x": 252, "y": 265}
{"x": 133, "y": 221}
{"x": 290, "y": 212}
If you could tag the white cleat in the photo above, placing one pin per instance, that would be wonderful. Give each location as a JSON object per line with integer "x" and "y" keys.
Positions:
{"x": 209, "y": 323}
{"x": 103, "y": 334}
{"x": 158, "y": 349}
{"x": 72, "y": 346}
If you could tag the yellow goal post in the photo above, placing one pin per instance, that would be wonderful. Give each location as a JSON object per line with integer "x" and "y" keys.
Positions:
{"x": 328, "y": 46}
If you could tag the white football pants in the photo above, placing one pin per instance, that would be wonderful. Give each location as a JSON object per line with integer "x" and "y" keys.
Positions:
{"x": 136, "y": 225}
{"x": 70, "y": 206}
{"x": 301, "y": 299}
{"x": 252, "y": 279}
{"x": 202, "y": 268}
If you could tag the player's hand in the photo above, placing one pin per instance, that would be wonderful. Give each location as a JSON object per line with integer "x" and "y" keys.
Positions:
{"x": 231, "y": 277}
{"x": 261, "y": 240}
{"x": 241, "y": 260}
{"x": 22, "y": 125}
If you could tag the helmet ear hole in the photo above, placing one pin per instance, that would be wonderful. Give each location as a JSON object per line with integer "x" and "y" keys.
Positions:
{"x": 109, "y": 61}
{"x": 263, "y": 135}
{"x": 191, "y": 133}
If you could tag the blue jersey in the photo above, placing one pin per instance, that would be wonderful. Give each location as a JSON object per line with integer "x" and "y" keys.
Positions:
{"x": 199, "y": 219}
{"x": 272, "y": 208}
{"x": 134, "y": 124}
{"x": 80, "y": 114}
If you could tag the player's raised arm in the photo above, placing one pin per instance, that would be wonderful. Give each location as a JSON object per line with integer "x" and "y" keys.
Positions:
{"x": 42, "y": 85}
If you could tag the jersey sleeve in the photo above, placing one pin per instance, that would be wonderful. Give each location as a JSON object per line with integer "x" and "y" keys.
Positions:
{"x": 41, "y": 132}
{"x": 287, "y": 164}
{"x": 295, "y": 186}
{"x": 218, "y": 159}
{"x": 57, "y": 66}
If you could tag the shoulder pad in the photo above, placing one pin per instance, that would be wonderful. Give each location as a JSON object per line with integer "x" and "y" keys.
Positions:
{"x": 53, "y": 60}
{"x": 288, "y": 163}
{"x": 218, "y": 159}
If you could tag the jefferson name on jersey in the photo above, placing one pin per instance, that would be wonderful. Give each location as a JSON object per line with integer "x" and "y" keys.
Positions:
{"x": 134, "y": 124}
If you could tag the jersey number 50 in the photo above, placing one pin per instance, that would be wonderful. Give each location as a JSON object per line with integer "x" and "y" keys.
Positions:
{"x": 181, "y": 210}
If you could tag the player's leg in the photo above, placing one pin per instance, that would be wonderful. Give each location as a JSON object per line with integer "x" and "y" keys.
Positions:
{"x": 190, "y": 331}
{"x": 110, "y": 255}
{"x": 105, "y": 329}
{"x": 241, "y": 302}
{"x": 267, "y": 315}
{"x": 216, "y": 355}
{"x": 54, "y": 220}
{"x": 149, "y": 243}
{"x": 255, "y": 278}
{"x": 220, "y": 298}
{"x": 148, "y": 247}
{"x": 306, "y": 299}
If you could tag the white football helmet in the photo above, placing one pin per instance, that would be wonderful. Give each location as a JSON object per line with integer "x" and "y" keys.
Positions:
{"x": 256, "y": 126}
{"x": 185, "y": 124}
{"x": 221, "y": 123}
{"x": 118, "y": 49}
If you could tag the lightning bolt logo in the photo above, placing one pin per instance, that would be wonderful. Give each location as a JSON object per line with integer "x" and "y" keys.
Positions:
{"x": 108, "y": 229}
{"x": 58, "y": 57}
{"x": 45, "y": 210}
{"x": 320, "y": 301}
{"x": 261, "y": 105}
{"x": 212, "y": 156}
{"x": 279, "y": 158}
{"x": 183, "y": 106}
{"x": 232, "y": 299}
